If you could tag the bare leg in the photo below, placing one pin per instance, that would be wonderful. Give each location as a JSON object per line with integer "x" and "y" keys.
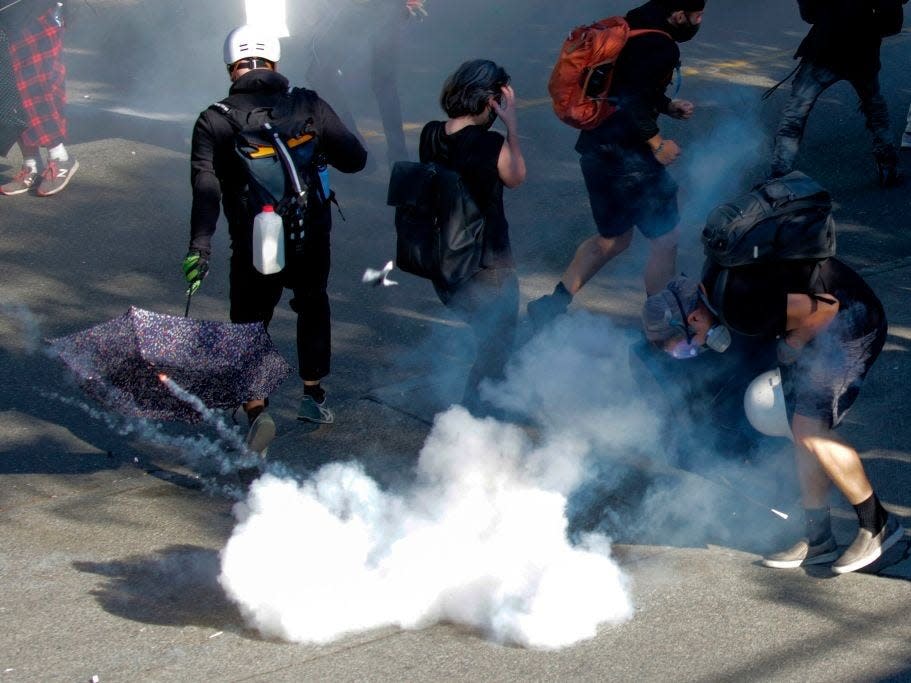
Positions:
{"x": 662, "y": 262}
{"x": 822, "y": 457}
{"x": 591, "y": 256}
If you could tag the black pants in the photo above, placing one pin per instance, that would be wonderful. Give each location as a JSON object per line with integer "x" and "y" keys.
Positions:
{"x": 254, "y": 297}
{"x": 809, "y": 83}
{"x": 489, "y": 303}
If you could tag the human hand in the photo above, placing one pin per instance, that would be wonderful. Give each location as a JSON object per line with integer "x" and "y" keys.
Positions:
{"x": 666, "y": 152}
{"x": 416, "y": 8}
{"x": 195, "y": 267}
{"x": 505, "y": 107}
{"x": 680, "y": 109}
{"x": 787, "y": 354}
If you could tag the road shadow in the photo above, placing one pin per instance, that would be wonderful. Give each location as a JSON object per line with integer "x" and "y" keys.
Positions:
{"x": 175, "y": 586}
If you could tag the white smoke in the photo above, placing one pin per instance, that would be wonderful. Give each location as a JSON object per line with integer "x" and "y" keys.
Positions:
{"x": 478, "y": 541}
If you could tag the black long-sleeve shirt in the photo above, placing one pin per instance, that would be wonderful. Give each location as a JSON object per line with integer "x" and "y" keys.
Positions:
{"x": 217, "y": 173}
{"x": 844, "y": 37}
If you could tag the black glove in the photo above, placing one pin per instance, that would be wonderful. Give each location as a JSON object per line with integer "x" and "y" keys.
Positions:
{"x": 195, "y": 268}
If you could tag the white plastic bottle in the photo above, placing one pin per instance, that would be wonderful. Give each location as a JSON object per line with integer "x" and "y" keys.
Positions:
{"x": 268, "y": 241}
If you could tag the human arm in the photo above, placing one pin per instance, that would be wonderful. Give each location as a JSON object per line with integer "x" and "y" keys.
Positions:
{"x": 511, "y": 163}
{"x": 205, "y": 184}
{"x": 341, "y": 146}
{"x": 807, "y": 316}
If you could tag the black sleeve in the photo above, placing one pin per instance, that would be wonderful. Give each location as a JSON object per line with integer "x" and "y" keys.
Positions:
{"x": 205, "y": 185}
{"x": 342, "y": 148}
{"x": 810, "y": 10}
{"x": 647, "y": 68}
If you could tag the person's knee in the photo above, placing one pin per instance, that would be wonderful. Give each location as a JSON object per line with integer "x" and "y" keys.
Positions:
{"x": 666, "y": 243}
{"x": 606, "y": 247}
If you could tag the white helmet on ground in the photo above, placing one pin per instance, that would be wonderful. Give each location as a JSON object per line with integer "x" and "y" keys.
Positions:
{"x": 764, "y": 405}
{"x": 251, "y": 41}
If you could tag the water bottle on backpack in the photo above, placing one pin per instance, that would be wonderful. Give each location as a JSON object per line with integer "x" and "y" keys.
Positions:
{"x": 268, "y": 241}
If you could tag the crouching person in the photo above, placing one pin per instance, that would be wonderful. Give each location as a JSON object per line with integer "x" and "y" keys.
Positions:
{"x": 829, "y": 328}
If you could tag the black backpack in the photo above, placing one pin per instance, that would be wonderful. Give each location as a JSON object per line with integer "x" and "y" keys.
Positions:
{"x": 787, "y": 218}
{"x": 785, "y": 221}
{"x": 439, "y": 227}
{"x": 278, "y": 148}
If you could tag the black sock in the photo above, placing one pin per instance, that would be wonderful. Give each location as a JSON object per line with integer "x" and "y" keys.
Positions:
{"x": 315, "y": 391}
{"x": 562, "y": 293}
{"x": 871, "y": 514}
{"x": 819, "y": 526}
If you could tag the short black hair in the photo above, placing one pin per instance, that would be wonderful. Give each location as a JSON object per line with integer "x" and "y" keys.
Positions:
{"x": 467, "y": 90}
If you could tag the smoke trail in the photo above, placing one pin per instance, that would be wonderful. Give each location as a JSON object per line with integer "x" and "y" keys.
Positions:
{"x": 478, "y": 541}
{"x": 29, "y": 334}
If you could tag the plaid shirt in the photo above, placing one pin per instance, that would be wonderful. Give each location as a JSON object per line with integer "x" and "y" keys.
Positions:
{"x": 37, "y": 50}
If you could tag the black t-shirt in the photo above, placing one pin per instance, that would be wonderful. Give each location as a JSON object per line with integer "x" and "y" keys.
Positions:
{"x": 473, "y": 153}
{"x": 756, "y": 297}
{"x": 643, "y": 71}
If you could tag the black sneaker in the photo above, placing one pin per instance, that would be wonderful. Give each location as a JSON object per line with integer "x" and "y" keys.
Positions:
{"x": 545, "y": 310}
{"x": 889, "y": 174}
{"x": 867, "y": 547}
{"x": 802, "y": 553}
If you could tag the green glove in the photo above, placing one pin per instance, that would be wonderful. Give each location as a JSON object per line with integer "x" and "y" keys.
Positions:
{"x": 195, "y": 268}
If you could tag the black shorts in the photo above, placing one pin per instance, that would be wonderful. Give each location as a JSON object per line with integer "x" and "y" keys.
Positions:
{"x": 628, "y": 188}
{"x": 827, "y": 377}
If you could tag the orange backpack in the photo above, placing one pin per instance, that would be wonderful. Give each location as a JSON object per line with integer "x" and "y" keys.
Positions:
{"x": 581, "y": 78}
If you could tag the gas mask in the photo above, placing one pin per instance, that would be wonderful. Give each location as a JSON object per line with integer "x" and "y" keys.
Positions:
{"x": 717, "y": 339}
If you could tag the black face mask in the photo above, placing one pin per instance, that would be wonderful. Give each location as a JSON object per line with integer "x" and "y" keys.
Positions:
{"x": 686, "y": 32}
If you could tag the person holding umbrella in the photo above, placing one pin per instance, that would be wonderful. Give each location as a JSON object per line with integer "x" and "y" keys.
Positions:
{"x": 218, "y": 174}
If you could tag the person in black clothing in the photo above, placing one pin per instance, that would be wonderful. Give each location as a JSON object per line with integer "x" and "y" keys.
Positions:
{"x": 828, "y": 328}
{"x": 624, "y": 159}
{"x": 218, "y": 174}
{"x": 842, "y": 45}
{"x": 345, "y": 26}
{"x": 473, "y": 97}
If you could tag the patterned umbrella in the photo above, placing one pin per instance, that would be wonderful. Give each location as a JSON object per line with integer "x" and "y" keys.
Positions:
{"x": 119, "y": 362}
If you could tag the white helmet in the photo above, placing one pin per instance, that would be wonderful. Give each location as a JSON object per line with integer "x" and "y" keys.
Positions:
{"x": 764, "y": 405}
{"x": 251, "y": 41}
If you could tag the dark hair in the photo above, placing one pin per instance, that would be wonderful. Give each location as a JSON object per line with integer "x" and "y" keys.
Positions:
{"x": 466, "y": 92}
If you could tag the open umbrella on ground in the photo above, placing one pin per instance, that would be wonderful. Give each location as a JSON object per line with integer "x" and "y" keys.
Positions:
{"x": 12, "y": 118}
{"x": 119, "y": 363}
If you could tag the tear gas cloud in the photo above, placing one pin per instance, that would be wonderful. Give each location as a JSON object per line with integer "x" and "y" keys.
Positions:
{"x": 477, "y": 541}
{"x": 481, "y": 537}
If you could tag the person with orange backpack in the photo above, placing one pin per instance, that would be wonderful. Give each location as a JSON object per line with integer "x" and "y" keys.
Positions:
{"x": 624, "y": 157}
